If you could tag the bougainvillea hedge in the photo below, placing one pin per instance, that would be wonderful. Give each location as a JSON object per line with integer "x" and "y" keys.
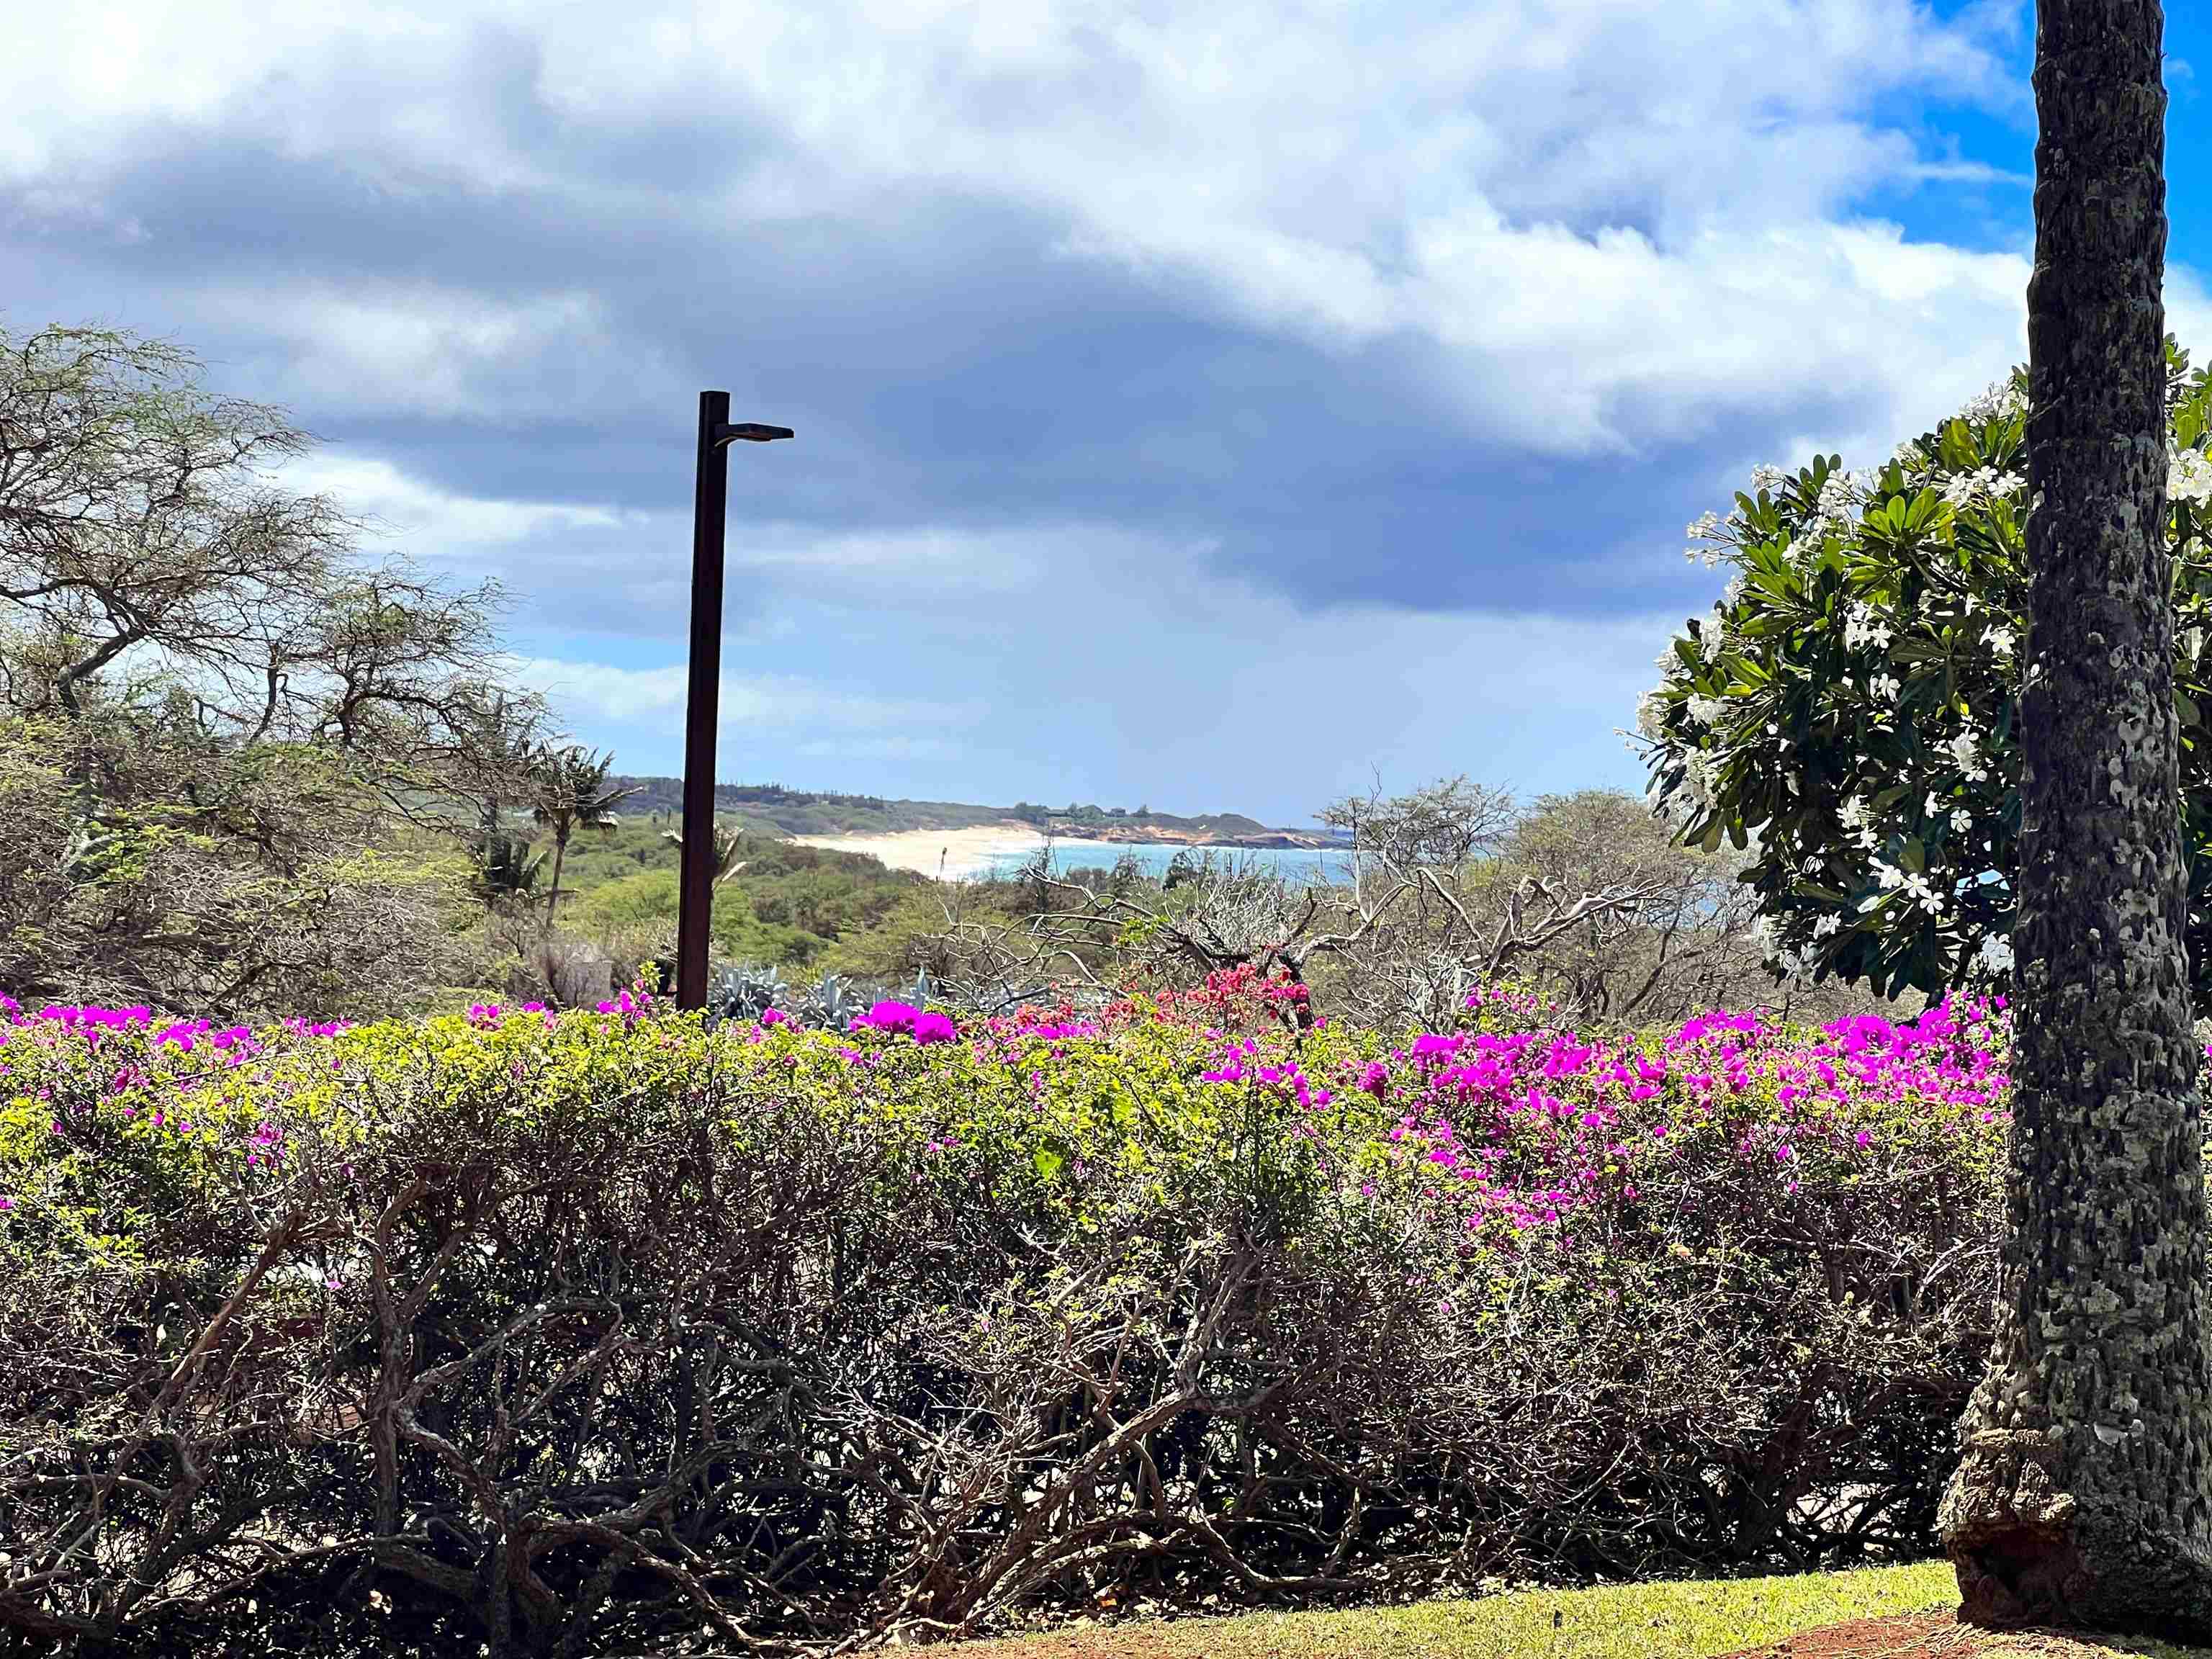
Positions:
{"x": 605, "y": 1332}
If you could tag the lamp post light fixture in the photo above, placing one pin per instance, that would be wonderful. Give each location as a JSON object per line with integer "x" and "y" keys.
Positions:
{"x": 709, "y": 507}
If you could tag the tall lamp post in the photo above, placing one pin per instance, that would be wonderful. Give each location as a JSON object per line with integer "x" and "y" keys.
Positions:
{"x": 709, "y": 505}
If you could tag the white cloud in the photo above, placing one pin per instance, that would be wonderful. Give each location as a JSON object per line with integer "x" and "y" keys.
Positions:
{"x": 1596, "y": 226}
{"x": 429, "y": 350}
{"x": 601, "y": 692}
{"x": 402, "y": 508}
{"x": 1612, "y": 219}
{"x": 600, "y": 550}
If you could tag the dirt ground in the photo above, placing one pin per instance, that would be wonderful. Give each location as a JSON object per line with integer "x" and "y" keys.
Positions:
{"x": 1931, "y": 1636}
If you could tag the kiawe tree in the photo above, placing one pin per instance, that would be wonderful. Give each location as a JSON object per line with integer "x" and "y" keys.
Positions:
{"x": 2085, "y": 1492}
{"x": 223, "y": 729}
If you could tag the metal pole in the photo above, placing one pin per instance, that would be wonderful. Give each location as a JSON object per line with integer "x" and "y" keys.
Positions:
{"x": 696, "y": 881}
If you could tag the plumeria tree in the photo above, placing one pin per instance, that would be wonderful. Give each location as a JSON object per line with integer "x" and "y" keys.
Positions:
{"x": 1848, "y": 712}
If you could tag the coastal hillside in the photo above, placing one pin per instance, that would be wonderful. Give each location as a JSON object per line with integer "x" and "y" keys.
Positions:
{"x": 772, "y": 809}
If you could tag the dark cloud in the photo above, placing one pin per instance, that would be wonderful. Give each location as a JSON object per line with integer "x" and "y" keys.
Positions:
{"x": 944, "y": 363}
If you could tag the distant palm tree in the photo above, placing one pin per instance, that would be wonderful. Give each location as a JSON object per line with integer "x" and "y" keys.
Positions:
{"x": 727, "y": 844}
{"x": 573, "y": 794}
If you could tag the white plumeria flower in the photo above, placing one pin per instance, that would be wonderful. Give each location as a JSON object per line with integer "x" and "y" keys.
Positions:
{"x": 1961, "y": 820}
{"x": 1861, "y": 628}
{"x": 2002, "y": 399}
{"x": 2188, "y": 476}
{"x": 1962, "y": 487}
{"x": 1884, "y": 686}
{"x": 1828, "y": 923}
{"x": 1838, "y": 504}
{"x": 1962, "y": 751}
{"x": 1933, "y": 805}
{"x": 1697, "y": 780}
{"x": 1705, "y": 711}
{"x": 2002, "y": 640}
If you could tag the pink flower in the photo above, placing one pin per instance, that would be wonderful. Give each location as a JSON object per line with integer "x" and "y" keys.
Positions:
{"x": 889, "y": 1016}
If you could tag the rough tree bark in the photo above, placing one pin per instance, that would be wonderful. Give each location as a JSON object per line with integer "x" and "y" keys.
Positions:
{"x": 2085, "y": 1494}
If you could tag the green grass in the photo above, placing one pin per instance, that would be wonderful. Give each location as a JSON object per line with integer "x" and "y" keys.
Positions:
{"x": 1694, "y": 1620}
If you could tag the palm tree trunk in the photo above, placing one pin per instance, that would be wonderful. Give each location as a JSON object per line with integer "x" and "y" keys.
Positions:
{"x": 560, "y": 854}
{"x": 2085, "y": 1494}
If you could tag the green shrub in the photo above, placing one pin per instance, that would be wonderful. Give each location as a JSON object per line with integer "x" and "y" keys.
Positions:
{"x": 593, "y": 1332}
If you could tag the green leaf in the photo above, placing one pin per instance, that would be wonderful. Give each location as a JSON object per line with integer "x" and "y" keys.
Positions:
{"x": 1749, "y": 671}
{"x": 1048, "y": 1162}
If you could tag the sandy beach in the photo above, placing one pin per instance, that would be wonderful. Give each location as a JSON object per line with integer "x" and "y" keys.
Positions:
{"x": 962, "y": 851}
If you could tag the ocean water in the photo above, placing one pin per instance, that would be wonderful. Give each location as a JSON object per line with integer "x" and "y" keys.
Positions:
{"x": 1292, "y": 863}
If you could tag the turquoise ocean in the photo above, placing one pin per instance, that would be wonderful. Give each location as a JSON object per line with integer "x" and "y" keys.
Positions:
{"x": 1293, "y": 863}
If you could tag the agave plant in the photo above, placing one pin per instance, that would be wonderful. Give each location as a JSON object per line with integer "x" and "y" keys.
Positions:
{"x": 747, "y": 991}
{"x": 835, "y": 1002}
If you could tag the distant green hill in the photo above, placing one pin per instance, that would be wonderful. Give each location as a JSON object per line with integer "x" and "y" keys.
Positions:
{"x": 790, "y": 907}
{"x": 769, "y": 807}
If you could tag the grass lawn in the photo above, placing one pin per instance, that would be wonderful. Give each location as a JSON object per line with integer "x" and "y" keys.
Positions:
{"x": 1694, "y": 1620}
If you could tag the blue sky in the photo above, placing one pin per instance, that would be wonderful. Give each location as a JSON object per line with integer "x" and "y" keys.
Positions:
{"x": 1215, "y": 405}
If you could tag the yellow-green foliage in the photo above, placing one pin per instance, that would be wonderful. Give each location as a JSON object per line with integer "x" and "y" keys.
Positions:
{"x": 1568, "y": 1307}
